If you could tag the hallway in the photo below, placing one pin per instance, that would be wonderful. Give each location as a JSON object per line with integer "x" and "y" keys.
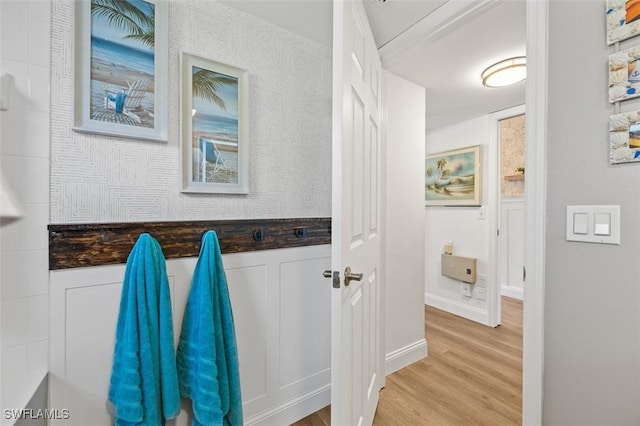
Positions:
{"x": 472, "y": 376}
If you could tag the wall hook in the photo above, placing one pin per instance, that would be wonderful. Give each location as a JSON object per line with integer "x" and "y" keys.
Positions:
{"x": 258, "y": 235}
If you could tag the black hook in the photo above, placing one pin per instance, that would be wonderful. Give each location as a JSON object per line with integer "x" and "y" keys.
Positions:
{"x": 258, "y": 235}
{"x": 300, "y": 232}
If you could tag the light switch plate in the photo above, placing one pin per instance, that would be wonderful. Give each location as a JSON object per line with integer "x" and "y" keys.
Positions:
{"x": 602, "y": 224}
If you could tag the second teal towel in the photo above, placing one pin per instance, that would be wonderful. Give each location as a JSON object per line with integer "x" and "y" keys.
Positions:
{"x": 207, "y": 357}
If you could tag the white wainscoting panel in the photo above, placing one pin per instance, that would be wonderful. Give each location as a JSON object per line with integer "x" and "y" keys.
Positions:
{"x": 305, "y": 310}
{"x": 512, "y": 247}
{"x": 281, "y": 307}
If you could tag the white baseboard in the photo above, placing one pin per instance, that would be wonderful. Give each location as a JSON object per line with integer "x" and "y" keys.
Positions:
{"x": 514, "y": 292}
{"x": 462, "y": 310}
{"x": 405, "y": 356}
{"x": 294, "y": 410}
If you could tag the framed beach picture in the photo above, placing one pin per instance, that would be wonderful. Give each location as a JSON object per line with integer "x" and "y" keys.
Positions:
{"x": 215, "y": 137}
{"x": 623, "y": 19}
{"x": 624, "y": 137}
{"x": 452, "y": 178}
{"x": 121, "y": 68}
{"x": 624, "y": 74}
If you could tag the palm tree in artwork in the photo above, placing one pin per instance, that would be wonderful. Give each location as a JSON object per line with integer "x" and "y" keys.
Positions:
{"x": 121, "y": 13}
{"x": 440, "y": 165}
{"x": 206, "y": 83}
{"x": 429, "y": 171}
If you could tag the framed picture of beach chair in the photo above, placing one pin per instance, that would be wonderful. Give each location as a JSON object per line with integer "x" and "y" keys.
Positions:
{"x": 121, "y": 68}
{"x": 214, "y": 120}
{"x": 452, "y": 178}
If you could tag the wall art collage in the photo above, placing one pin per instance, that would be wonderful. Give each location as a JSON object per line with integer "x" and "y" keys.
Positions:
{"x": 623, "y": 22}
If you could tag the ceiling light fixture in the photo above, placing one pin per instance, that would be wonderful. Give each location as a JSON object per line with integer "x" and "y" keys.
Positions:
{"x": 505, "y": 73}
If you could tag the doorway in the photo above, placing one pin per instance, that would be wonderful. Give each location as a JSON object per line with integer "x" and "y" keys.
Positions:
{"x": 535, "y": 192}
{"x": 508, "y": 154}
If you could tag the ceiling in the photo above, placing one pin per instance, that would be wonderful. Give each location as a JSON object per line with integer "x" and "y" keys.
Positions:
{"x": 445, "y": 59}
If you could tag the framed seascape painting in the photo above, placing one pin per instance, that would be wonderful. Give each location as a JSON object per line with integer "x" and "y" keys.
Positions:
{"x": 452, "y": 178}
{"x": 121, "y": 68}
{"x": 623, "y": 19}
{"x": 215, "y": 137}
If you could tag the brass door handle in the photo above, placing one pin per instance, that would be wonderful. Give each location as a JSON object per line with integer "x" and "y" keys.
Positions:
{"x": 350, "y": 276}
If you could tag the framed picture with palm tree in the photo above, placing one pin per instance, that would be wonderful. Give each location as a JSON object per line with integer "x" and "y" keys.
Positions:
{"x": 452, "y": 178}
{"x": 214, "y": 119}
{"x": 121, "y": 68}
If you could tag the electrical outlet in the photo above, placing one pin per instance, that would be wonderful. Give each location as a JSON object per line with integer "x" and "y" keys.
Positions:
{"x": 466, "y": 290}
{"x": 481, "y": 293}
{"x": 481, "y": 280}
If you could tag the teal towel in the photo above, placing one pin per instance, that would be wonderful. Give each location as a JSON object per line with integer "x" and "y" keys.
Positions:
{"x": 207, "y": 356}
{"x": 144, "y": 381}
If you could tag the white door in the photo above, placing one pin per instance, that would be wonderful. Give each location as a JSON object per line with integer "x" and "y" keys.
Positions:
{"x": 356, "y": 351}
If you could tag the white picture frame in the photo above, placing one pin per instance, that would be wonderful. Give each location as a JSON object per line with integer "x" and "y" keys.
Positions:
{"x": 121, "y": 72}
{"x": 214, "y": 127}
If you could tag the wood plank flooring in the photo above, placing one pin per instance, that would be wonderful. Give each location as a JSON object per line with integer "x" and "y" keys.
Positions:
{"x": 472, "y": 376}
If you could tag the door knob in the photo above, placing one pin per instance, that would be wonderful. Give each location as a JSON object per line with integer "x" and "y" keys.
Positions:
{"x": 351, "y": 276}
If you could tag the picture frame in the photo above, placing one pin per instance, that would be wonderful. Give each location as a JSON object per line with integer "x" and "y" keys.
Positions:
{"x": 624, "y": 74}
{"x": 623, "y": 19}
{"x": 624, "y": 137}
{"x": 215, "y": 127}
{"x": 452, "y": 178}
{"x": 120, "y": 84}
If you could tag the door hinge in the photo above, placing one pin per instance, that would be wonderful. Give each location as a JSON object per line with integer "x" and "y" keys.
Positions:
{"x": 498, "y": 232}
{"x": 524, "y": 274}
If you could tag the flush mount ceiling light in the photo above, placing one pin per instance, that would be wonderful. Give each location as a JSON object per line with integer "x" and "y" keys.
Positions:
{"x": 505, "y": 73}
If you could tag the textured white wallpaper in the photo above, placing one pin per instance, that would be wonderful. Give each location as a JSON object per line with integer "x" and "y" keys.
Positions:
{"x": 106, "y": 179}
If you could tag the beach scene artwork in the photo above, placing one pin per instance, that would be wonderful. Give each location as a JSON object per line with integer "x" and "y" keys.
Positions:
{"x": 452, "y": 177}
{"x": 214, "y": 115}
{"x": 122, "y": 62}
{"x": 623, "y": 19}
{"x": 624, "y": 137}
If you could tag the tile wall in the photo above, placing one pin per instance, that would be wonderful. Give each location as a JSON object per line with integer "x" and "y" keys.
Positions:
{"x": 24, "y": 159}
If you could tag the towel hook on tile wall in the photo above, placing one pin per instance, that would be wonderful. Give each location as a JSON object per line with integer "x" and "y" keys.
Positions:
{"x": 258, "y": 235}
{"x": 300, "y": 232}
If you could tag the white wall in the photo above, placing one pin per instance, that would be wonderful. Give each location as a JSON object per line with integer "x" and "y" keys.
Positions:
{"x": 592, "y": 291}
{"x": 24, "y": 159}
{"x": 403, "y": 245}
{"x": 463, "y": 226}
{"x": 106, "y": 179}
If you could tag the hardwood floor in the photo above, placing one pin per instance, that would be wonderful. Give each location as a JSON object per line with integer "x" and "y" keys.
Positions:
{"x": 472, "y": 376}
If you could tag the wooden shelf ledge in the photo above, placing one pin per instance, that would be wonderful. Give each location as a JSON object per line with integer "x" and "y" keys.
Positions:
{"x": 515, "y": 177}
{"x": 96, "y": 244}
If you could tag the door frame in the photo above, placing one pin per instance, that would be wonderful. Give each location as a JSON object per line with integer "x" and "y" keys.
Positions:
{"x": 494, "y": 301}
{"x": 535, "y": 186}
{"x": 535, "y": 211}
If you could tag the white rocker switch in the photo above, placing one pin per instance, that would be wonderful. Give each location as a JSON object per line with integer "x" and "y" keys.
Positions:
{"x": 581, "y": 223}
{"x": 593, "y": 224}
{"x": 602, "y": 224}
